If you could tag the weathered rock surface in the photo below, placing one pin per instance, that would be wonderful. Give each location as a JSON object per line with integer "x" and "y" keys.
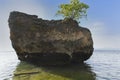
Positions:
{"x": 49, "y": 42}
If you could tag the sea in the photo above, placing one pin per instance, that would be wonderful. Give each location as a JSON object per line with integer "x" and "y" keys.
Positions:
{"x": 102, "y": 65}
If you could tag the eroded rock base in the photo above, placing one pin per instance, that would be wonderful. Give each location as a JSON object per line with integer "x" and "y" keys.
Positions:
{"x": 52, "y": 58}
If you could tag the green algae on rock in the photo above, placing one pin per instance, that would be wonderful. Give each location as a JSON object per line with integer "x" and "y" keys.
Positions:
{"x": 49, "y": 42}
{"x": 25, "y": 71}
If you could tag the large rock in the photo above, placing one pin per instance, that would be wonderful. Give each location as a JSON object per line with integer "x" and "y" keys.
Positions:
{"x": 49, "y": 42}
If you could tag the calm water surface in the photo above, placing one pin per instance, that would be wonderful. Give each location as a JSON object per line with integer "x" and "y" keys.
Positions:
{"x": 103, "y": 65}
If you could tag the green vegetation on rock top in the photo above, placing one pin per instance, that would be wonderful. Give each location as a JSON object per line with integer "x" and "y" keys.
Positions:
{"x": 75, "y": 10}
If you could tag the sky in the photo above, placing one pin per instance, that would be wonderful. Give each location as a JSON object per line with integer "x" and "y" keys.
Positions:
{"x": 102, "y": 20}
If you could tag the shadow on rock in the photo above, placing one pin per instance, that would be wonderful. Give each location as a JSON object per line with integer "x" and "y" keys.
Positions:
{"x": 26, "y": 71}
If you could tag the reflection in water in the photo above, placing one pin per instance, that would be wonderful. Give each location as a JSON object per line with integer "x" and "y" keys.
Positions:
{"x": 27, "y": 71}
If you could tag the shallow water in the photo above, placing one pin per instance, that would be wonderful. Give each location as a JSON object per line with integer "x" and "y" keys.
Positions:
{"x": 106, "y": 64}
{"x": 103, "y": 65}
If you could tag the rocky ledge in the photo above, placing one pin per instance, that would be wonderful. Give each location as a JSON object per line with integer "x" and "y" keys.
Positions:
{"x": 49, "y": 42}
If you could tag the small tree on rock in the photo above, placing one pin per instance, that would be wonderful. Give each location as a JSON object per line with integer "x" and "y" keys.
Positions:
{"x": 74, "y": 10}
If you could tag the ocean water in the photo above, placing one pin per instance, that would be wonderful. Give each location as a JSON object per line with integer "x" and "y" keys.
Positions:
{"x": 103, "y": 65}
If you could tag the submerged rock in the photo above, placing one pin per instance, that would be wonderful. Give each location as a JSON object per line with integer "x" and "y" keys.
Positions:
{"x": 25, "y": 71}
{"x": 49, "y": 42}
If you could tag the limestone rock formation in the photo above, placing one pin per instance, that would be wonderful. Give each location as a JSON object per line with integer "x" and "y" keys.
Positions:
{"x": 49, "y": 42}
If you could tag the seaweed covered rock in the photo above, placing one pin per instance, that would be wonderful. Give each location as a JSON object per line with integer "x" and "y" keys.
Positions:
{"x": 49, "y": 42}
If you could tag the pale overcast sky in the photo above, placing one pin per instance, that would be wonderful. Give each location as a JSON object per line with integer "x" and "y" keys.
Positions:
{"x": 103, "y": 19}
